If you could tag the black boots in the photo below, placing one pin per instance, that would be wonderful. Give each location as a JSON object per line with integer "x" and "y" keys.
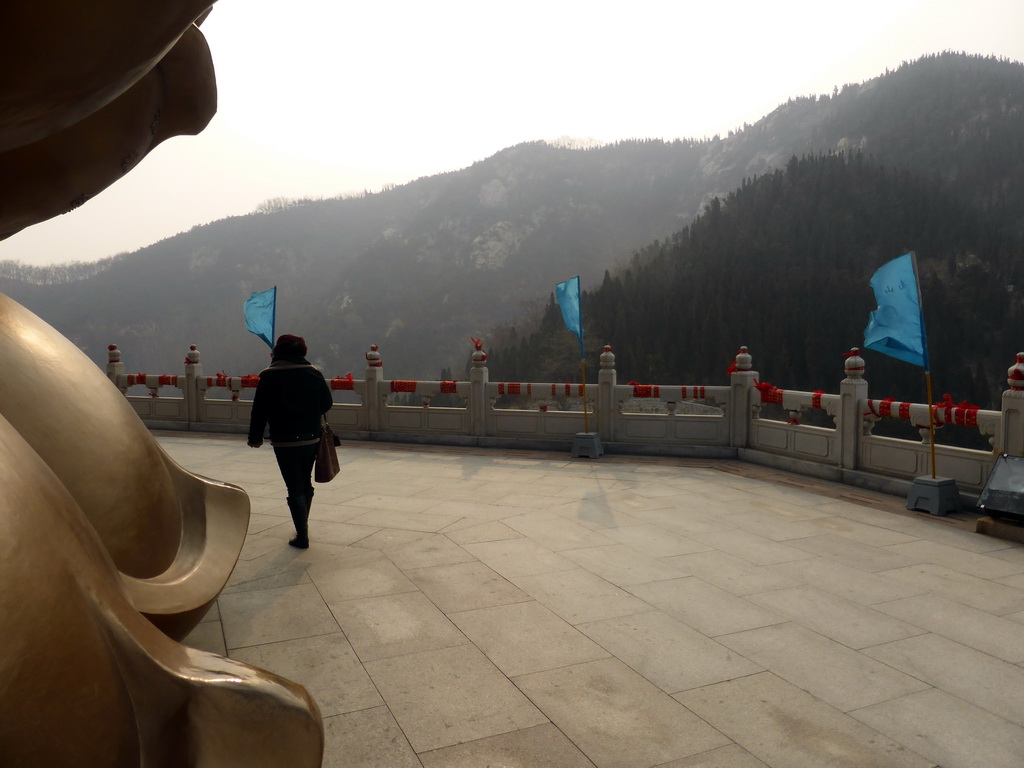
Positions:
{"x": 300, "y": 516}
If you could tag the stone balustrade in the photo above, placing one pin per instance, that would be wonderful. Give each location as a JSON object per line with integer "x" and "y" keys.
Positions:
{"x": 748, "y": 419}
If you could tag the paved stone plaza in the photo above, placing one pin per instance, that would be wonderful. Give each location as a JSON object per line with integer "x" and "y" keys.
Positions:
{"x": 468, "y": 608}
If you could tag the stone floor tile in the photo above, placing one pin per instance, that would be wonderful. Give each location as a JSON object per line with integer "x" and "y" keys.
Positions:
{"x": 596, "y": 516}
{"x": 851, "y": 624}
{"x": 859, "y": 553}
{"x": 369, "y": 738}
{"x": 1017, "y": 581}
{"x": 732, "y": 756}
{"x": 460, "y": 497}
{"x": 368, "y": 574}
{"x": 276, "y": 568}
{"x": 326, "y": 665}
{"x": 616, "y": 717}
{"x": 985, "y": 681}
{"x": 394, "y": 625}
{"x": 847, "y": 582}
{"x": 954, "y": 558}
{"x": 686, "y": 522}
{"x": 948, "y": 730}
{"x": 389, "y": 537}
{"x": 407, "y": 519}
{"x": 578, "y": 595}
{"x": 667, "y": 652}
{"x": 959, "y": 587}
{"x": 996, "y": 635}
{"x": 731, "y": 573}
{"x": 642, "y": 497}
{"x": 1014, "y": 553}
{"x": 921, "y": 525}
{"x": 654, "y": 541}
{"x": 450, "y": 696}
{"x": 472, "y": 531}
{"x": 853, "y": 553}
{"x": 207, "y": 636}
{"x": 622, "y": 565}
{"x": 752, "y": 548}
{"x": 270, "y": 615}
{"x": 526, "y": 637}
{"x": 435, "y": 549}
{"x": 843, "y": 678}
{"x": 856, "y": 530}
{"x": 519, "y": 557}
{"x": 542, "y": 746}
{"x": 705, "y": 607}
{"x": 465, "y": 586}
{"x": 768, "y": 524}
{"x": 555, "y": 532}
{"x": 786, "y": 727}
{"x": 382, "y": 501}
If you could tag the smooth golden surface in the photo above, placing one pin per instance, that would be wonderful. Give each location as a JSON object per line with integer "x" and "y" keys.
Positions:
{"x": 56, "y": 173}
{"x": 61, "y": 60}
{"x": 174, "y": 536}
{"x": 85, "y": 680}
{"x": 104, "y": 540}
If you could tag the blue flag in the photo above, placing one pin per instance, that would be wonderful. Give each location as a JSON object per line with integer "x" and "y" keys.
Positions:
{"x": 260, "y": 310}
{"x": 896, "y": 328}
{"x": 567, "y": 294}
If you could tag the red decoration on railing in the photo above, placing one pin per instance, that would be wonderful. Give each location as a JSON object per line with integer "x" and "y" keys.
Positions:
{"x": 514, "y": 388}
{"x": 963, "y": 413}
{"x": 644, "y": 390}
{"x": 449, "y": 387}
{"x": 347, "y": 383}
{"x": 769, "y": 393}
{"x": 853, "y": 353}
{"x": 816, "y": 398}
{"x": 399, "y": 385}
{"x": 478, "y": 345}
{"x": 884, "y": 409}
{"x": 167, "y": 381}
{"x": 250, "y": 381}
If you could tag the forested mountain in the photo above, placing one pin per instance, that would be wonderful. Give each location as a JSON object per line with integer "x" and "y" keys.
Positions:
{"x": 421, "y": 268}
{"x": 783, "y": 265}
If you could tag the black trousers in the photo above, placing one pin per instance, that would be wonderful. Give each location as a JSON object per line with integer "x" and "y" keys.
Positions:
{"x": 296, "y": 465}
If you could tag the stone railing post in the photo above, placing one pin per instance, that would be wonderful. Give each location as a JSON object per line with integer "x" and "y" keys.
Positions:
{"x": 606, "y": 395}
{"x": 478, "y": 391}
{"x": 114, "y": 366}
{"x": 741, "y": 385}
{"x": 372, "y": 398}
{"x": 1011, "y": 438}
{"x": 853, "y": 392}
{"x": 191, "y": 391}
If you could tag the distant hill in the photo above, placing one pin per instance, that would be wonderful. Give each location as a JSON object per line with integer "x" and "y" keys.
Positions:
{"x": 421, "y": 268}
{"x": 783, "y": 265}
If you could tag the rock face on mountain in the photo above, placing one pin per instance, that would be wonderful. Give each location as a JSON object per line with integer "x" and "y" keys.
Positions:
{"x": 421, "y": 268}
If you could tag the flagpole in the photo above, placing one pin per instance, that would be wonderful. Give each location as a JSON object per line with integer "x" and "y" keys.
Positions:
{"x": 931, "y": 418}
{"x": 583, "y": 370}
{"x": 927, "y": 366}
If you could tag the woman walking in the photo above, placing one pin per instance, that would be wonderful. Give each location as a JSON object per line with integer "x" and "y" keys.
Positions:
{"x": 292, "y": 397}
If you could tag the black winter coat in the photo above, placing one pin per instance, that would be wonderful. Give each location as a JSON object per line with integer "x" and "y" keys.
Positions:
{"x": 292, "y": 396}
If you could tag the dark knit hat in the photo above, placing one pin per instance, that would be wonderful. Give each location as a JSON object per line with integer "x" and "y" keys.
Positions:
{"x": 290, "y": 346}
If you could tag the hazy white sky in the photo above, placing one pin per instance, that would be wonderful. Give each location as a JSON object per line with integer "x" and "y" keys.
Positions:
{"x": 324, "y": 97}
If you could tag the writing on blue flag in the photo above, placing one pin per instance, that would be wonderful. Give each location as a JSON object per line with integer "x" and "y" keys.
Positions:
{"x": 260, "y": 310}
{"x": 567, "y": 294}
{"x": 896, "y": 328}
